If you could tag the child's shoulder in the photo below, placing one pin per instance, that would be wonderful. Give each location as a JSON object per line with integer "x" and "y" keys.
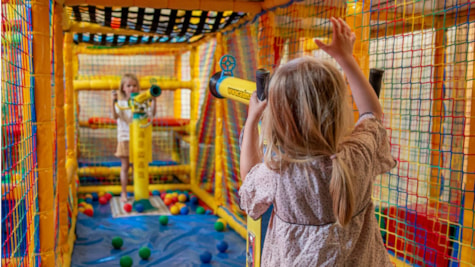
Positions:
{"x": 261, "y": 169}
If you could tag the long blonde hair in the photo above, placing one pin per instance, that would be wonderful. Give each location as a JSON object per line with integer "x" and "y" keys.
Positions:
{"x": 307, "y": 116}
{"x": 125, "y": 77}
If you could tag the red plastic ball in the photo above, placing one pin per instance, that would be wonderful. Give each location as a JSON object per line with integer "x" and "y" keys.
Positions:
{"x": 175, "y": 199}
{"x": 103, "y": 200}
{"x": 167, "y": 201}
{"x": 127, "y": 207}
{"x": 108, "y": 196}
{"x": 89, "y": 212}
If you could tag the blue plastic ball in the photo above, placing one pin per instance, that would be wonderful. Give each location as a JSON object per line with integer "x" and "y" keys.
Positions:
{"x": 89, "y": 200}
{"x": 130, "y": 194}
{"x": 205, "y": 257}
{"x": 95, "y": 196}
{"x": 139, "y": 207}
{"x": 194, "y": 200}
{"x": 156, "y": 193}
{"x": 208, "y": 212}
{"x": 222, "y": 246}
{"x": 184, "y": 210}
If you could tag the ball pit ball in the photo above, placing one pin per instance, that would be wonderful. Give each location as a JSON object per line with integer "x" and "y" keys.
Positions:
{"x": 81, "y": 209}
{"x": 101, "y": 194}
{"x": 167, "y": 201}
{"x": 182, "y": 198}
{"x": 81, "y": 200}
{"x": 219, "y": 226}
{"x": 108, "y": 196}
{"x": 127, "y": 207}
{"x": 88, "y": 196}
{"x": 95, "y": 196}
{"x": 222, "y": 246}
{"x": 163, "y": 220}
{"x": 155, "y": 192}
{"x": 205, "y": 257}
{"x": 174, "y": 199}
{"x": 163, "y": 195}
{"x": 200, "y": 210}
{"x": 89, "y": 212}
{"x": 144, "y": 253}
{"x": 184, "y": 210}
{"x": 139, "y": 207}
{"x": 117, "y": 242}
{"x": 174, "y": 210}
{"x": 103, "y": 200}
{"x": 89, "y": 200}
{"x": 208, "y": 212}
{"x": 194, "y": 200}
{"x": 126, "y": 261}
{"x": 130, "y": 194}
{"x": 82, "y": 204}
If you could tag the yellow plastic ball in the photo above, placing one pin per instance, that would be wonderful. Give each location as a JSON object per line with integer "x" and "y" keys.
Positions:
{"x": 175, "y": 210}
{"x": 88, "y": 196}
{"x": 175, "y": 194}
{"x": 81, "y": 209}
{"x": 182, "y": 198}
{"x": 101, "y": 194}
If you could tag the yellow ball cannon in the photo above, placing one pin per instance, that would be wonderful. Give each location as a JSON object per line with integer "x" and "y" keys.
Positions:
{"x": 140, "y": 149}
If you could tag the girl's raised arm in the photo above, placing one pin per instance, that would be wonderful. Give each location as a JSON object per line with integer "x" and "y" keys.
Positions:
{"x": 341, "y": 49}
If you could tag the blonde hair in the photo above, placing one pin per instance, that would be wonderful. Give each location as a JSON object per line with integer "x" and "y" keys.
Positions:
{"x": 307, "y": 116}
{"x": 125, "y": 77}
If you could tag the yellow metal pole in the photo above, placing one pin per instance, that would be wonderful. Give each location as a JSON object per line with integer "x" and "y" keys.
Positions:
{"x": 62, "y": 186}
{"x": 45, "y": 126}
{"x": 194, "y": 98}
{"x": 177, "y": 93}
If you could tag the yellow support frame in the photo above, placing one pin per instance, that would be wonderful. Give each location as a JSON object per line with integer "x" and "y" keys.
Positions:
{"x": 114, "y": 82}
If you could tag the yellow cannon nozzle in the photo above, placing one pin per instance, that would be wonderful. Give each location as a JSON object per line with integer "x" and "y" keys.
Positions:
{"x": 155, "y": 91}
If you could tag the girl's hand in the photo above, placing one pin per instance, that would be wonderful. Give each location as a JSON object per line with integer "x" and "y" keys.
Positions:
{"x": 256, "y": 108}
{"x": 114, "y": 96}
{"x": 342, "y": 43}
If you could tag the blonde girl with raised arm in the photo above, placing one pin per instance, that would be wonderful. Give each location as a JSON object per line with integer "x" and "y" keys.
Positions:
{"x": 317, "y": 168}
{"x": 129, "y": 84}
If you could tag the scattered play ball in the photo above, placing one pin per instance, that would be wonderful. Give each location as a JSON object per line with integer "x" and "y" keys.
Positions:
{"x": 81, "y": 209}
{"x": 222, "y": 246}
{"x": 219, "y": 226}
{"x": 167, "y": 201}
{"x": 139, "y": 207}
{"x": 101, "y": 194}
{"x": 184, "y": 210}
{"x": 89, "y": 200}
{"x": 200, "y": 210}
{"x": 223, "y": 221}
{"x": 81, "y": 200}
{"x": 205, "y": 257}
{"x": 174, "y": 199}
{"x": 82, "y": 204}
{"x": 155, "y": 192}
{"x": 163, "y": 195}
{"x": 174, "y": 210}
{"x": 144, "y": 253}
{"x": 208, "y": 212}
{"x": 108, "y": 196}
{"x": 127, "y": 207}
{"x": 182, "y": 198}
{"x": 103, "y": 200}
{"x": 126, "y": 261}
{"x": 89, "y": 212}
{"x": 130, "y": 194}
{"x": 117, "y": 242}
{"x": 194, "y": 200}
{"x": 175, "y": 194}
{"x": 95, "y": 196}
{"x": 88, "y": 196}
{"x": 163, "y": 220}
{"x": 88, "y": 206}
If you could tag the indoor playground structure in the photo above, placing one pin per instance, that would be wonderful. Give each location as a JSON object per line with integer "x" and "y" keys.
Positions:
{"x": 62, "y": 59}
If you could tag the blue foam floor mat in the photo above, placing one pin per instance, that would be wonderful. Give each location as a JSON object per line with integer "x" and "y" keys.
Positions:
{"x": 179, "y": 243}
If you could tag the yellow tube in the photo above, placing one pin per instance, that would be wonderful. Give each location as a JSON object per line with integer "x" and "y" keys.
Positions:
{"x": 113, "y": 84}
{"x": 134, "y": 50}
{"x": 104, "y": 171}
{"x": 117, "y": 188}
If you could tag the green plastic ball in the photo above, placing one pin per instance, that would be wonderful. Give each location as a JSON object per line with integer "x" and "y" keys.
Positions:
{"x": 163, "y": 220}
{"x": 218, "y": 226}
{"x": 144, "y": 253}
{"x": 126, "y": 261}
{"x": 117, "y": 242}
{"x": 81, "y": 200}
{"x": 200, "y": 210}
